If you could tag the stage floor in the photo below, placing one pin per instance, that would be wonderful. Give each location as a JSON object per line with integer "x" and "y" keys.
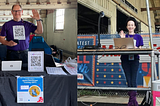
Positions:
{"x": 106, "y": 101}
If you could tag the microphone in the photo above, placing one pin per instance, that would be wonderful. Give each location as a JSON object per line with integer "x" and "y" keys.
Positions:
{"x": 101, "y": 15}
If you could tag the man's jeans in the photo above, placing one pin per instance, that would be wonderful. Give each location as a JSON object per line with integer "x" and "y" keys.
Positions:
{"x": 18, "y": 55}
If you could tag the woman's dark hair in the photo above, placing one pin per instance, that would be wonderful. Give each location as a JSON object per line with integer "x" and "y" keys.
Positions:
{"x": 15, "y": 5}
{"x": 135, "y": 22}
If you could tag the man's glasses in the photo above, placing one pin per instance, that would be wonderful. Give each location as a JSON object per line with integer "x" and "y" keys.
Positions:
{"x": 16, "y": 11}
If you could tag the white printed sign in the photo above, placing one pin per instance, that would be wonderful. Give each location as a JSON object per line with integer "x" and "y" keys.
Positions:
{"x": 19, "y": 32}
{"x": 36, "y": 61}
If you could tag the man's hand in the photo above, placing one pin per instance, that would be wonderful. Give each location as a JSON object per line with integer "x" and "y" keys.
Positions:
{"x": 122, "y": 34}
{"x": 11, "y": 43}
{"x": 8, "y": 43}
{"x": 36, "y": 15}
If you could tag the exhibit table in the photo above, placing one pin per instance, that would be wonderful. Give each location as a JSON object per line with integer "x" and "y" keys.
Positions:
{"x": 3, "y": 52}
{"x": 59, "y": 90}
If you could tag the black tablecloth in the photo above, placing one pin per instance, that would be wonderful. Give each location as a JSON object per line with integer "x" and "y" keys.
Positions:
{"x": 3, "y": 52}
{"x": 59, "y": 90}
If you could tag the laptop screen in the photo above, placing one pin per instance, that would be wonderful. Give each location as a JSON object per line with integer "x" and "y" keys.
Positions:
{"x": 123, "y": 43}
{"x": 11, "y": 65}
{"x": 49, "y": 61}
{"x": 37, "y": 49}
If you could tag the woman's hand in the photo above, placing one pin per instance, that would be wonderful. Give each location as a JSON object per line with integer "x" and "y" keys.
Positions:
{"x": 122, "y": 34}
{"x": 140, "y": 47}
{"x": 135, "y": 47}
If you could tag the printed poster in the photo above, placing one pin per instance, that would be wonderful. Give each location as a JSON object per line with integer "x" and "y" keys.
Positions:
{"x": 30, "y": 89}
{"x": 86, "y": 63}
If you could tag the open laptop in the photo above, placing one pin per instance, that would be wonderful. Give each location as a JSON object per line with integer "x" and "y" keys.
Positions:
{"x": 49, "y": 61}
{"x": 123, "y": 43}
{"x": 11, "y": 65}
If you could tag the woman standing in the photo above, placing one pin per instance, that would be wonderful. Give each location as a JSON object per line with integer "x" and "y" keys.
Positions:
{"x": 130, "y": 63}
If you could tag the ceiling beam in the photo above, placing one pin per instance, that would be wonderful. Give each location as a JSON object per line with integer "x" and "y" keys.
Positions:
{"x": 130, "y": 12}
{"x": 42, "y": 6}
{"x": 10, "y": 16}
{"x": 152, "y": 3}
{"x": 151, "y": 9}
{"x": 157, "y": 17}
{"x": 153, "y": 6}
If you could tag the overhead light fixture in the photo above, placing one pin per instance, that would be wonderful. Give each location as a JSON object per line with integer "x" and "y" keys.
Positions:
{"x": 38, "y": 2}
{"x": 18, "y": 2}
{"x": 58, "y": 2}
{"x": 7, "y": 2}
{"x": 27, "y": 2}
{"x": 68, "y": 2}
{"x": 48, "y": 2}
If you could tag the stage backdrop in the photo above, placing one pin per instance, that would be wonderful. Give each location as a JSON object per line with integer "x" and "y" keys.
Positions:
{"x": 105, "y": 70}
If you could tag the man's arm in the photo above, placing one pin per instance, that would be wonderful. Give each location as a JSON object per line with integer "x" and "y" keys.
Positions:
{"x": 39, "y": 29}
{"x": 36, "y": 16}
{"x": 5, "y": 42}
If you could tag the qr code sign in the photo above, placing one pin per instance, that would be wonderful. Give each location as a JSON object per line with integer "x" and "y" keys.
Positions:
{"x": 19, "y": 31}
{"x": 35, "y": 60}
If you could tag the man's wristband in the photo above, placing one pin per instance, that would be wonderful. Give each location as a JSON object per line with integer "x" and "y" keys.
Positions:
{"x": 40, "y": 20}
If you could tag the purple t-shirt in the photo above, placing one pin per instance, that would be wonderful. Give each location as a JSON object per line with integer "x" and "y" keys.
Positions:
{"x": 139, "y": 42}
{"x": 21, "y": 30}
